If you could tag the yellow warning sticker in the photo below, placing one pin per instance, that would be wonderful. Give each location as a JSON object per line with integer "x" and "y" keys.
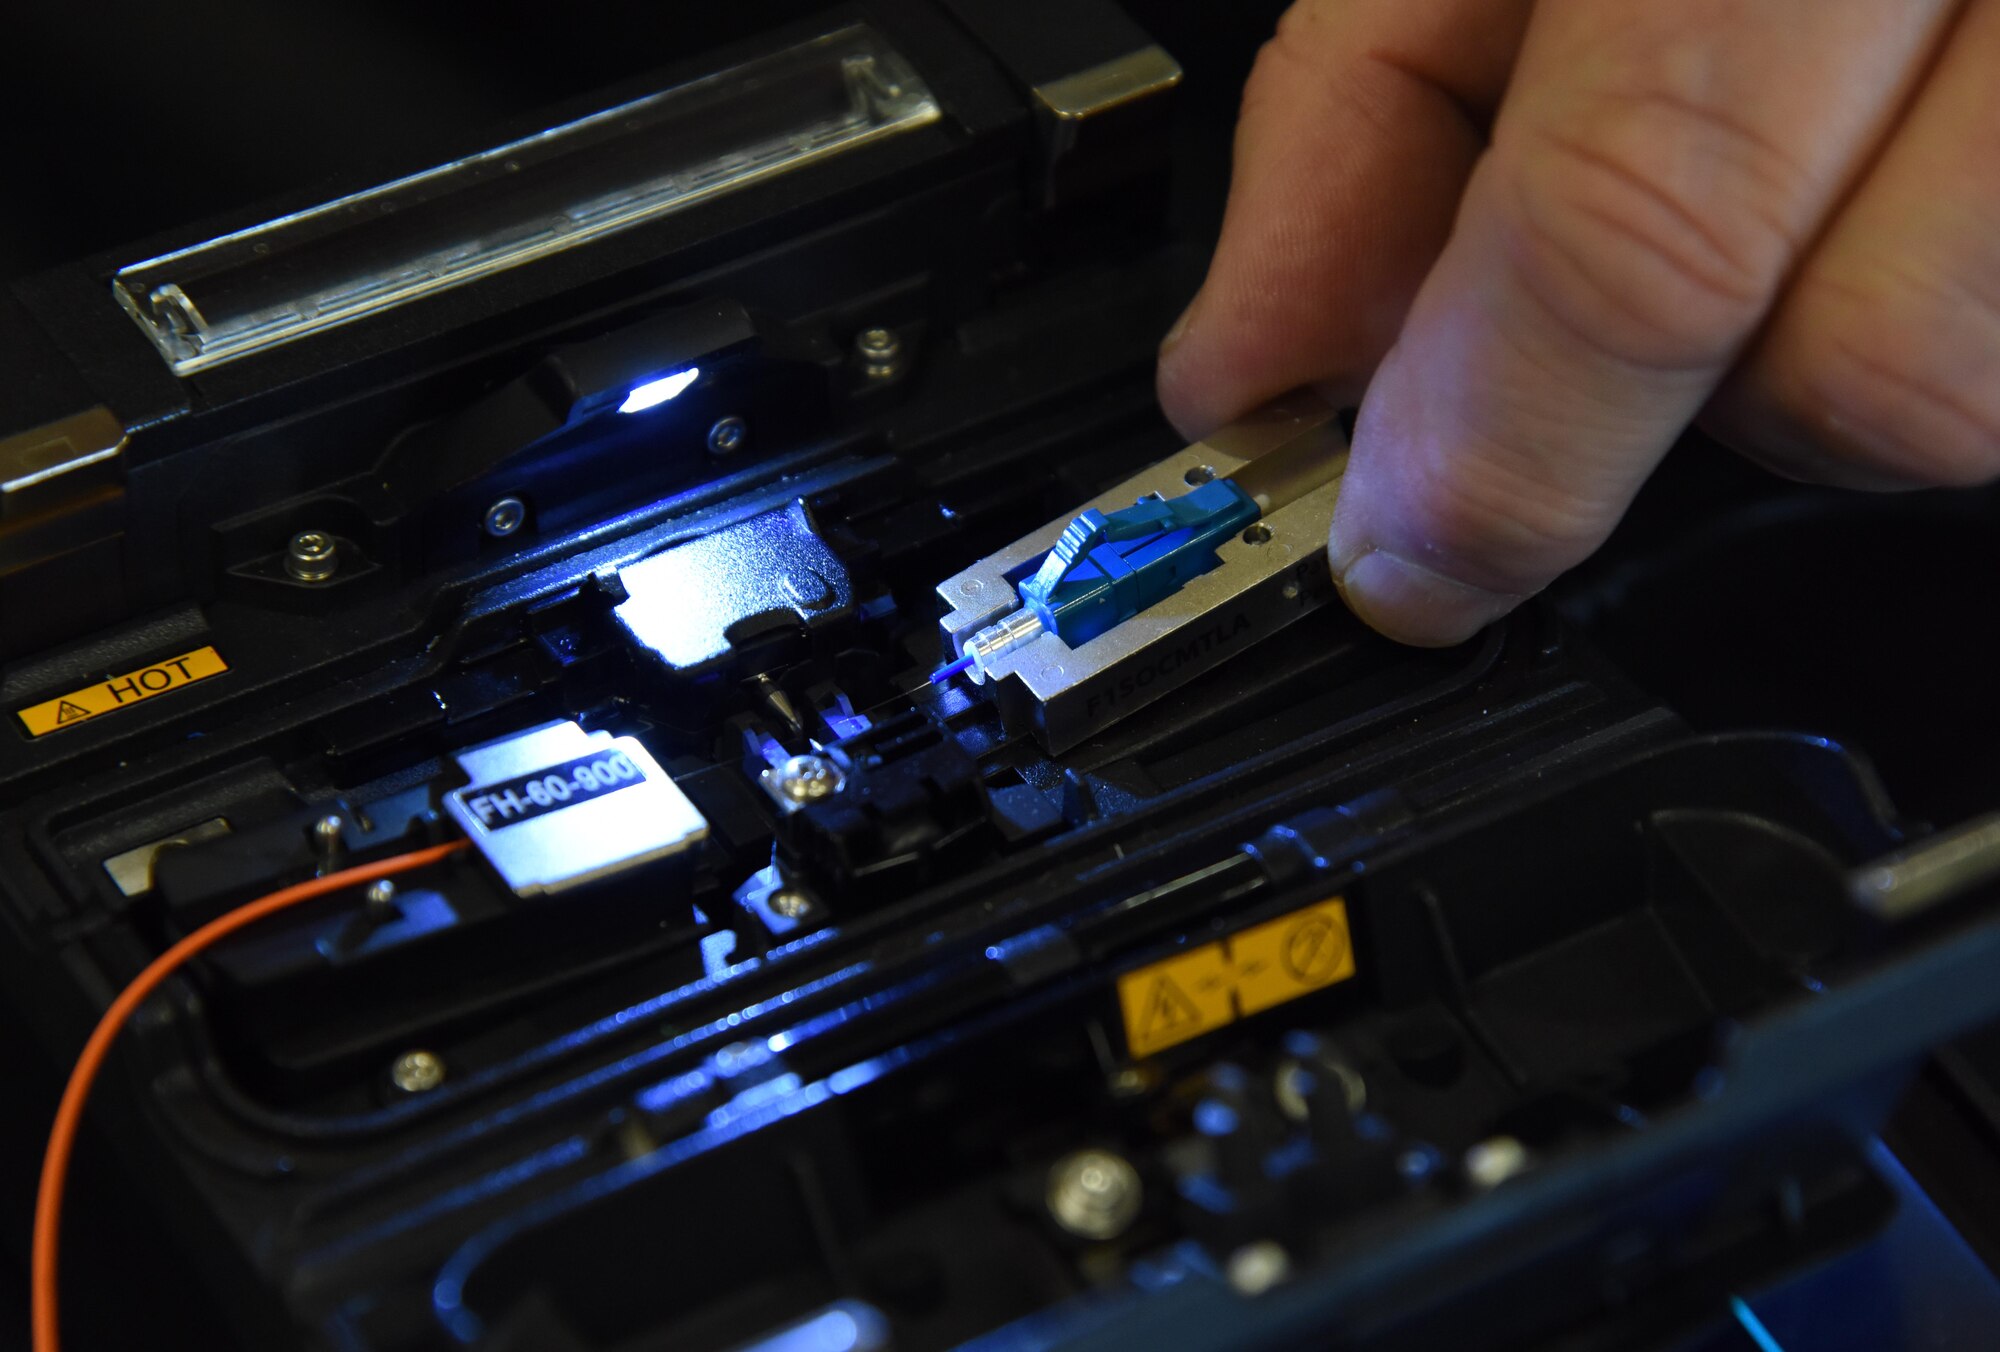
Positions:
{"x": 1177, "y": 998}
{"x": 1172, "y": 1001}
{"x": 121, "y": 692}
{"x": 1282, "y": 959}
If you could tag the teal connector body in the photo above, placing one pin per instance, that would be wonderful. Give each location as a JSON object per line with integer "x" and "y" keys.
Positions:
{"x": 1107, "y": 568}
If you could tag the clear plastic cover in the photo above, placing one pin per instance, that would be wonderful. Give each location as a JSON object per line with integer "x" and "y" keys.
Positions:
{"x": 257, "y": 288}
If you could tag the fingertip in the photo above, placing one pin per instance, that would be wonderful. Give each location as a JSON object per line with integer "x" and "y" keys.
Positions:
{"x": 1187, "y": 399}
{"x": 1405, "y": 601}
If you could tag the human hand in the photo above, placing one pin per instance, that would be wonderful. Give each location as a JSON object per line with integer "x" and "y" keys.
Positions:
{"x": 1779, "y": 216}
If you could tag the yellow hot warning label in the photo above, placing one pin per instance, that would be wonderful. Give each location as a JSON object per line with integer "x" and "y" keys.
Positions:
{"x": 121, "y": 692}
{"x": 1206, "y": 988}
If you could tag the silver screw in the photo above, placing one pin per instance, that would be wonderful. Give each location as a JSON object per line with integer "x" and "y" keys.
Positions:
{"x": 1256, "y": 1268}
{"x": 1294, "y": 1079}
{"x": 380, "y": 899}
{"x": 1131, "y": 1082}
{"x": 1094, "y": 1194}
{"x": 1494, "y": 1161}
{"x": 312, "y": 556}
{"x": 505, "y": 517}
{"x": 727, "y": 436}
{"x": 417, "y": 1072}
{"x": 807, "y": 779}
{"x": 791, "y": 904}
{"x": 880, "y": 352}
{"x": 326, "y": 833}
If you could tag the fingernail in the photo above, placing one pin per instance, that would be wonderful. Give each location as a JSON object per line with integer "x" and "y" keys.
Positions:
{"x": 1178, "y": 331}
{"x": 1412, "y": 604}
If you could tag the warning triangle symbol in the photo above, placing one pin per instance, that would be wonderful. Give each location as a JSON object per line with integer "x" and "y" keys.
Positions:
{"x": 69, "y": 713}
{"x": 1167, "y": 1008}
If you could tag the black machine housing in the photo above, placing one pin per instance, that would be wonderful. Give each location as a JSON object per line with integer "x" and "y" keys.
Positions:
{"x": 821, "y": 1076}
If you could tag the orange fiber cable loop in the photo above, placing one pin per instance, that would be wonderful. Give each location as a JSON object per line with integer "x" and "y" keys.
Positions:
{"x": 69, "y": 1114}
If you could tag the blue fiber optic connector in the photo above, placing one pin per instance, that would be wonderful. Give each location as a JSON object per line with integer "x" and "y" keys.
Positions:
{"x": 1106, "y": 568}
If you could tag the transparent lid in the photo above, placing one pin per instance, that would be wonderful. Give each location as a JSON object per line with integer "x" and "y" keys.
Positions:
{"x": 373, "y": 251}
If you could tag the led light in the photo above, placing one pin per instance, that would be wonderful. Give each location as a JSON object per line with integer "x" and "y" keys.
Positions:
{"x": 659, "y": 391}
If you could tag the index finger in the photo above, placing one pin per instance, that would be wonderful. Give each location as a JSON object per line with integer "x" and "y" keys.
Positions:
{"x": 1360, "y": 123}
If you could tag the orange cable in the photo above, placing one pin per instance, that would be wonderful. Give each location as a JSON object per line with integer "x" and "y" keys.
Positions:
{"x": 62, "y": 1136}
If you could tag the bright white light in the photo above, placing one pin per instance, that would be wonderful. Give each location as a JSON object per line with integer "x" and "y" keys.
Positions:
{"x": 659, "y": 391}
